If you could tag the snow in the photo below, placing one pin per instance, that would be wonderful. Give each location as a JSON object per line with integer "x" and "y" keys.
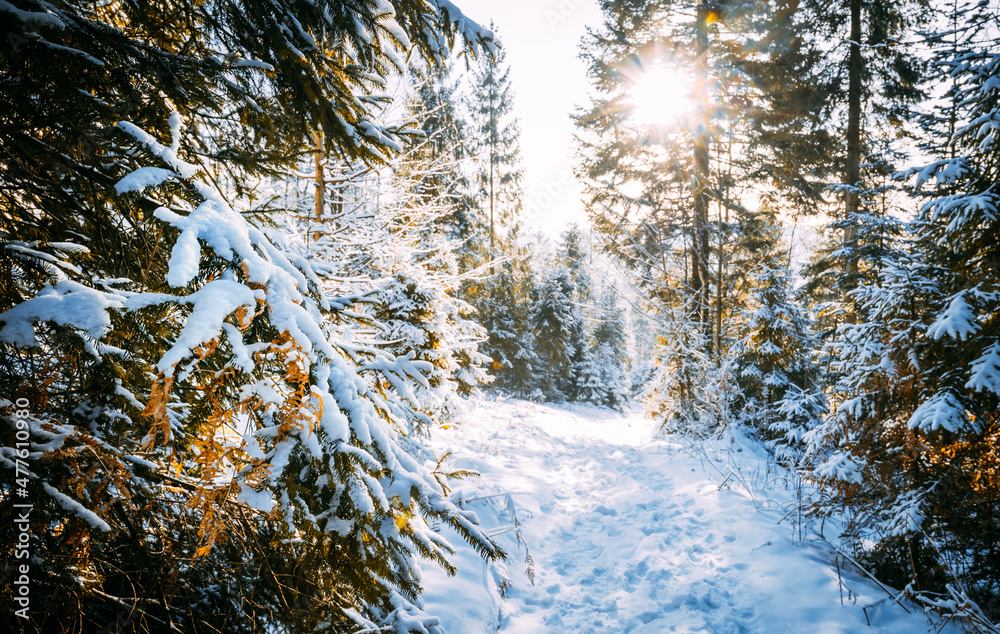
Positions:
{"x": 941, "y": 411}
{"x": 906, "y": 515}
{"x": 986, "y": 371}
{"x": 35, "y": 18}
{"x": 76, "y": 508}
{"x": 474, "y": 34}
{"x": 626, "y": 533}
{"x": 73, "y": 51}
{"x": 142, "y": 178}
{"x": 958, "y": 321}
{"x": 167, "y": 153}
{"x": 841, "y": 466}
{"x": 25, "y": 250}
{"x": 211, "y": 305}
{"x": 251, "y": 63}
{"x": 260, "y": 500}
{"x": 67, "y": 303}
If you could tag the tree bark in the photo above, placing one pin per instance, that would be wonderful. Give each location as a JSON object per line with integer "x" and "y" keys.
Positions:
{"x": 493, "y": 96}
{"x": 852, "y": 170}
{"x": 700, "y": 243}
{"x": 318, "y": 155}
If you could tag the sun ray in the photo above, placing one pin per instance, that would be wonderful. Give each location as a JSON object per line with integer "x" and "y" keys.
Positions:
{"x": 660, "y": 96}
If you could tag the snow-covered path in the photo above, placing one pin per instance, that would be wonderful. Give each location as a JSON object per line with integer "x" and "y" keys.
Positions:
{"x": 627, "y": 534}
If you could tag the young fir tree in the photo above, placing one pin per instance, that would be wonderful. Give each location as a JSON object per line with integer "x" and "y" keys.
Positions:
{"x": 381, "y": 241}
{"x": 433, "y": 230}
{"x": 675, "y": 394}
{"x": 206, "y": 456}
{"x": 605, "y": 378}
{"x": 501, "y": 292}
{"x": 779, "y": 392}
{"x": 912, "y": 449}
{"x": 552, "y": 323}
{"x": 572, "y": 255}
{"x": 495, "y": 146}
{"x": 589, "y": 384}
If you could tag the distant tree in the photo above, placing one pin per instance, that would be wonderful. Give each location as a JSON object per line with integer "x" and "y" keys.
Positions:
{"x": 439, "y": 161}
{"x": 506, "y": 314}
{"x": 604, "y": 379}
{"x": 495, "y": 146}
{"x": 502, "y": 289}
{"x": 552, "y": 322}
{"x": 572, "y": 256}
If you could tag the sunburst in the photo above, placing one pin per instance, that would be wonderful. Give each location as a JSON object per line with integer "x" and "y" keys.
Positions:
{"x": 660, "y": 96}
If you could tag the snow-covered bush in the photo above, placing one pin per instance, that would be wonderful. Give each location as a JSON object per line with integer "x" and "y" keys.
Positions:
{"x": 677, "y": 395}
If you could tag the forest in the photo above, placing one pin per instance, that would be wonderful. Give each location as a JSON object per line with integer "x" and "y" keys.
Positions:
{"x": 254, "y": 254}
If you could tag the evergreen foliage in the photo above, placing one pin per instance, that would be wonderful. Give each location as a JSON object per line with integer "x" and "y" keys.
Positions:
{"x": 670, "y": 198}
{"x": 495, "y": 145}
{"x": 501, "y": 284}
{"x": 505, "y": 312}
{"x": 604, "y": 377}
{"x": 237, "y": 290}
{"x": 439, "y": 162}
{"x": 571, "y": 256}
{"x": 553, "y": 322}
{"x": 911, "y": 448}
{"x": 676, "y": 394}
{"x": 207, "y": 455}
{"x": 880, "y": 77}
{"x": 779, "y": 394}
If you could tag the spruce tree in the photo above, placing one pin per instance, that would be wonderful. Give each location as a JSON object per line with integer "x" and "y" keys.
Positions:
{"x": 505, "y": 312}
{"x": 608, "y": 357}
{"x": 675, "y": 394}
{"x": 779, "y": 395}
{"x": 552, "y": 323}
{"x": 502, "y": 290}
{"x": 495, "y": 141}
{"x": 572, "y": 256}
{"x": 207, "y": 459}
{"x": 912, "y": 447}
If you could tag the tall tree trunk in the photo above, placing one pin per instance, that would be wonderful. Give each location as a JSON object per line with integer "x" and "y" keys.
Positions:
{"x": 700, "y": 245}
{"x": 493, "y": 152}
{"x": 721, "y": 282}
{"x": 852, "y": 170}
{"x": 320, "y": 176}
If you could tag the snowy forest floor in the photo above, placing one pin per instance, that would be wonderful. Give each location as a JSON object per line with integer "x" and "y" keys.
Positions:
{"x": 625, "y": 532}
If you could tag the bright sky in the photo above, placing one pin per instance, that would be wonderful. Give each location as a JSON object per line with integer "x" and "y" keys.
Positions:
{"x": 542, "y": 39}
